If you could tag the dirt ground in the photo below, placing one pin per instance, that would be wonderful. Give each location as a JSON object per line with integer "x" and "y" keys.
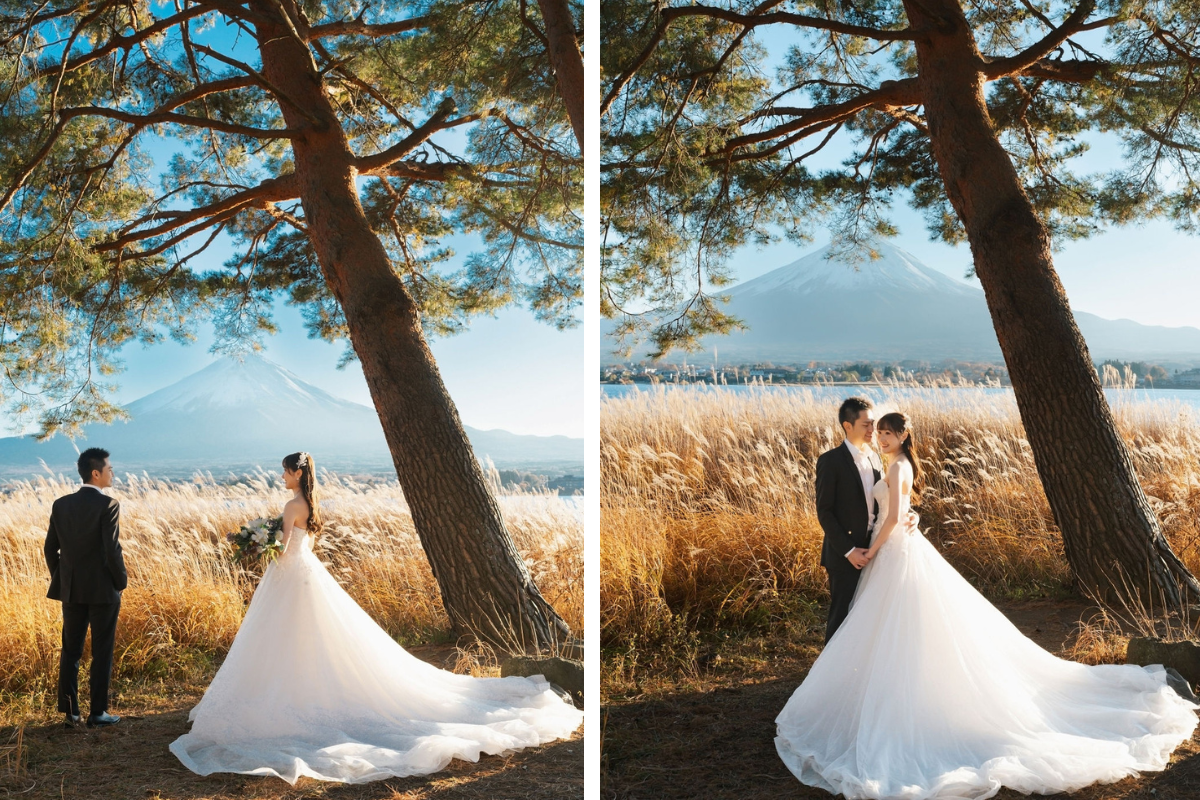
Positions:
{"x": 712, "y": 736}
{"x": 130, "y": 761}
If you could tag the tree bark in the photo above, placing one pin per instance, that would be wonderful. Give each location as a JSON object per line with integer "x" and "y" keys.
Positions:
{"x": 486, "y": 589}
{"x": 566, "y": 59}
{"x": 1110, "y": 534}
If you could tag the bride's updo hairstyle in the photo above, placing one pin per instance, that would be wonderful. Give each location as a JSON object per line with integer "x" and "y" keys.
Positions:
{"x": 898, "y": 424}
{"x": 308, "y": 487}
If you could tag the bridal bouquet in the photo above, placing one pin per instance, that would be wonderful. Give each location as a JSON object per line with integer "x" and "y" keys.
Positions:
{"x": 256, "y": 541}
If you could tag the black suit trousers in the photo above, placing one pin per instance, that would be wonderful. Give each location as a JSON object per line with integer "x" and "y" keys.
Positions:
{"x": 843, "y": 582}
{"x": 77, "y": 617}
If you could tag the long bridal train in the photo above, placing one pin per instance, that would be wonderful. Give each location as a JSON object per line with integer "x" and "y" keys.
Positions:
{"x": 928, "y": 691}
{"x": 312, "y": 686}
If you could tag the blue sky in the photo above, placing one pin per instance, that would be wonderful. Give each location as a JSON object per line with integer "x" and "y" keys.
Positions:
{"x": 509, "y": 371}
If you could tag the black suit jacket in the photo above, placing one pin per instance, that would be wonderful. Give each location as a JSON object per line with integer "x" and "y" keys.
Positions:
{"x": 841, "y": 506}
{"x": 83, "y": 549}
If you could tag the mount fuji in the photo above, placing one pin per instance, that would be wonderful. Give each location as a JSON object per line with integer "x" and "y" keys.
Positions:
{"x": 236, "y": 414}
{"x": 896, "y": 308}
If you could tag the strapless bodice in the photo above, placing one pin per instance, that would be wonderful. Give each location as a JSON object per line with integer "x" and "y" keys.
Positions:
{"x": 880, "y": 495}
{"x": 300, "y": 540}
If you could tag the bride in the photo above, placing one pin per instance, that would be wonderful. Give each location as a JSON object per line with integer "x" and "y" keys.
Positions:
{"x": 312, "y": 686}
{"x": 928, "y": 691}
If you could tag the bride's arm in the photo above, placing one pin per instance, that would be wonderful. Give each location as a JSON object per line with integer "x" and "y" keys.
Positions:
{"x": 894, "y": 490}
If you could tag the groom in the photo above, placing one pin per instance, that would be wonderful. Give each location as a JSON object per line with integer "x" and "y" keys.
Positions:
{"x": 87, "y": 573}
{"x": 845, "y": 508}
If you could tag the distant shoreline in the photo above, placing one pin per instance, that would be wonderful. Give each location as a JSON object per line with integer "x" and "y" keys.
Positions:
{"x": 563, "y": 480}
{"x": 869, "y": 384}
{"x": 9, "y": 485}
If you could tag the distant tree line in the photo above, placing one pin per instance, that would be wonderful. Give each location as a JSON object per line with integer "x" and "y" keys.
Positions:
{"x": 1111, "y": 371}
{"x": 516, "y": 480}
{"x": 812, "y": 372}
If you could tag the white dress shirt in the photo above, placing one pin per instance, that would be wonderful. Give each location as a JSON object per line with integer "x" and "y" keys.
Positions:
{"x": 866, "y": 473}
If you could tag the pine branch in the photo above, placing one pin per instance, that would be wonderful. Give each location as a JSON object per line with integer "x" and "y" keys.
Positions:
{"x": 1000, "y": 67}
{"x": 528, "y": 236}
{"x": 890, "y": 93}
{"x": 437, "y": 122}
{"x": 204, "y": 90}
{"x": 360, "y": 28}
{"x": 122, "y": 42}
{"x": 1067, "y": 71}
{"x": 788, "y": 18}
{"x": 272, "y": 190}
{"x": 623, "y": 79}
{"x": 170, "y": 118}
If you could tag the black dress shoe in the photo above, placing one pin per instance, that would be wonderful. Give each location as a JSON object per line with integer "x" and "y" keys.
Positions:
{"x": 102, "y": 720}
{"x": 71, "y": 721}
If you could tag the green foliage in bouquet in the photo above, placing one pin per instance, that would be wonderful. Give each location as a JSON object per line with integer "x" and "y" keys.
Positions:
{"x": 257, "y": 542}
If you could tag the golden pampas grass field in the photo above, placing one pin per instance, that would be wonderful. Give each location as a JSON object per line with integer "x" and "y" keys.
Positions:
{"x": 185, "y": 599}
{"x": 708, "y": 514}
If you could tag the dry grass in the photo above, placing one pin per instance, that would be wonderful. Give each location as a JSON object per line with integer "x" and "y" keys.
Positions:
{"x": 712, "y": 596}
{"x": 185, "y": 601}
{"x": 708, "y": 510}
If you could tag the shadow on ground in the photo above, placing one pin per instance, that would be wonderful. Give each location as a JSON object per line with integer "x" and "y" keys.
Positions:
{"x": 131, "y": 761}
{"x": 719, "y": 742}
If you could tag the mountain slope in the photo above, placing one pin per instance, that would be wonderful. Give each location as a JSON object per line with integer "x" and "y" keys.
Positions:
{"x": 896, "y": 308}
{"x": 236, "y": 414}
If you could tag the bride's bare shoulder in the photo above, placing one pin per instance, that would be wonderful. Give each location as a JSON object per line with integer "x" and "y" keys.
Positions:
{"x": 295, "y": 510}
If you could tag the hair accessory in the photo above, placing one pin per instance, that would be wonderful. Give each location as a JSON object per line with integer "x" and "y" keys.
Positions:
{"x": 302, "y": 461}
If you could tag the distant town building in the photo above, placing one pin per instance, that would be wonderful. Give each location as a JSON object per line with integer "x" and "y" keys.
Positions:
{"x": 1189, "y": 378}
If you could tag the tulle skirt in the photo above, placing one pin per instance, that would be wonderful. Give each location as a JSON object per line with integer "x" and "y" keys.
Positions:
{"x": 313, "y": 686}
{"x": 928, "y": 691}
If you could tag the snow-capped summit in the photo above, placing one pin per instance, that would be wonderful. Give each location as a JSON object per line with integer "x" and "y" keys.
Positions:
{"x": 233, "y": 382}
{"x": 819, "y": 273}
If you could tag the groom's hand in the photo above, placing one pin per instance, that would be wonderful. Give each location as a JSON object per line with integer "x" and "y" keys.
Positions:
{"x": 858, "y": 557}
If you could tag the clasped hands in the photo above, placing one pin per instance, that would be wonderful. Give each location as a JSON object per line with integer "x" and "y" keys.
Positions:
{"x": 861, "y": 556}
{"x": 858, "y": 557}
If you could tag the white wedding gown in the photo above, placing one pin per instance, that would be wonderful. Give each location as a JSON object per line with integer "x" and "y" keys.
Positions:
{"x": 313, "y": 686}
{"x": 928, "y": 691}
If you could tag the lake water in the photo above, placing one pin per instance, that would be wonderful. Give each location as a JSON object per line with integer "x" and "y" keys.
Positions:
{"x": 897, "y": 394}
{"x": 528, "y": 504}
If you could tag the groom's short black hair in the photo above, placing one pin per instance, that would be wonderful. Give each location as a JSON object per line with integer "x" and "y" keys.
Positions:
{"x": 91, "y": 460}
{"x": 851, "y": 408}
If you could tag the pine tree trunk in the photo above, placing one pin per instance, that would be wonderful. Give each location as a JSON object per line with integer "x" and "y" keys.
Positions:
{"x": 486, "y": 589}
{"x": 1112, "y": 539}
{"x": 565, "y": 59}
